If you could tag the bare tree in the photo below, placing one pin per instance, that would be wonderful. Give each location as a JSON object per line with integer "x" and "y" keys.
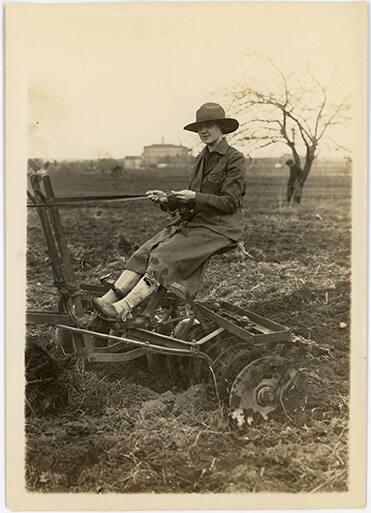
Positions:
{"x": 297, "y": 112}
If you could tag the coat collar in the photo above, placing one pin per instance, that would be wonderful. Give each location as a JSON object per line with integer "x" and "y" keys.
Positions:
{"x": 222, "y": 148}
{"x": 198, "y": 165}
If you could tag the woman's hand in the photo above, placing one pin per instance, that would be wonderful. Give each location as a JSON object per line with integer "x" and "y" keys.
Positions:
{"x": 184, "y": 195}
{"x": 157, "y": 196}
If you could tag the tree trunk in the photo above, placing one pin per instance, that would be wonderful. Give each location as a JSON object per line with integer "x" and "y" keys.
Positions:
{"x": 295, "y": 154}
{"x": 298, "y": 191}
{"x": 309, "y": 159}
{"x": 300, "y": 181}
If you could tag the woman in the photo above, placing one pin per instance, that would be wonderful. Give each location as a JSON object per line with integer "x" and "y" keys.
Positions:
{"x": 208, "y": 220}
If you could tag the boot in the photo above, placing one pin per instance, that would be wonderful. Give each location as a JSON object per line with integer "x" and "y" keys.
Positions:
{"x": 107, "y": 310}
{"x": 123, "y": 285}
{"x": 145, "y": 287}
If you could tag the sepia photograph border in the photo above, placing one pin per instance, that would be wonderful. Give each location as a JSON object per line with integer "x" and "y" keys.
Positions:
{"x": 18, "y": 18}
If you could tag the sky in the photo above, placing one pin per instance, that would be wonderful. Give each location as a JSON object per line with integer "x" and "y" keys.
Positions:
{"x": 103, "y": 81}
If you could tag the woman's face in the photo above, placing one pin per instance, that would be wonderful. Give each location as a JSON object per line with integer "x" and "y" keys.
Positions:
{"x": 209, "y": 132}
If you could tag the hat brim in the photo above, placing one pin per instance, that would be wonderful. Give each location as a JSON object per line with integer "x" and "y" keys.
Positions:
{"x": 228, "y": 125}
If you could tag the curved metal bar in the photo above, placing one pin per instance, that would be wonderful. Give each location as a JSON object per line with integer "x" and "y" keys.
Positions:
{"x": 154, "y": 348}
{"x": 124, "y": 339}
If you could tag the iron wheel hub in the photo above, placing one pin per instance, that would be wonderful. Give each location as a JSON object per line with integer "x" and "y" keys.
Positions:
{"x": 265, "y": 395}
{"x": 257, "y": 389}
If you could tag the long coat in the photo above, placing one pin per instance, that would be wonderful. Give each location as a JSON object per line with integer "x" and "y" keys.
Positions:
{"x": 212, "y": 223}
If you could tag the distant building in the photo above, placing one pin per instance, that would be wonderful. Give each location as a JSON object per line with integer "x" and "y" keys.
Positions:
{"x": 164, "y": 155}
{"x": 133, "y": 162}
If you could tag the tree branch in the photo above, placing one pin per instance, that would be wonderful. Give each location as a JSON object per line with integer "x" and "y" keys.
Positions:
{"x": 300, "y": 106}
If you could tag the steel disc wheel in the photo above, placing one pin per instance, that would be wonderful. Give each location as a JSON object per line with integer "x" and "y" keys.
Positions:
{"x": 219, "y": 344}
{"x": 257, "y": 389}
{"x": 44, "y": 391}
{"x": 63, "y": 339}
{"x": 226, "y": 357}
{"x": 213, "y": 349}
{"x": 234, "y": 362}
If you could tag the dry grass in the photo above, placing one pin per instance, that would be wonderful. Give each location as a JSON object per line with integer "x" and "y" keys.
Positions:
{"x": 122, "y": 431}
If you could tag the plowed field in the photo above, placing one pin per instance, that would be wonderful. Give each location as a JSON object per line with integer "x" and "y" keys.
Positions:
{"x": 118, "y": 428}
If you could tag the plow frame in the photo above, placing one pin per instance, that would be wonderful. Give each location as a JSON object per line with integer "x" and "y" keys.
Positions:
{"x": 85, "y": 328}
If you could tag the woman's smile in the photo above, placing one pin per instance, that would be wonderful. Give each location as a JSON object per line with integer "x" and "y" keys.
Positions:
{"x": 210, "y": 133}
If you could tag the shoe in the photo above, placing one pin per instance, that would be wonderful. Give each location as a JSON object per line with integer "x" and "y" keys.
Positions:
{"x": 105, "y": 309}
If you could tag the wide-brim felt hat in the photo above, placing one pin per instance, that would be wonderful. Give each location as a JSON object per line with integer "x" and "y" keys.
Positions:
{"x": 213, "y": 112}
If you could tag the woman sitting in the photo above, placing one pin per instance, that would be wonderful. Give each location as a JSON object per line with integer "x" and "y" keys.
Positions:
{"x": 208, "y": 220}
